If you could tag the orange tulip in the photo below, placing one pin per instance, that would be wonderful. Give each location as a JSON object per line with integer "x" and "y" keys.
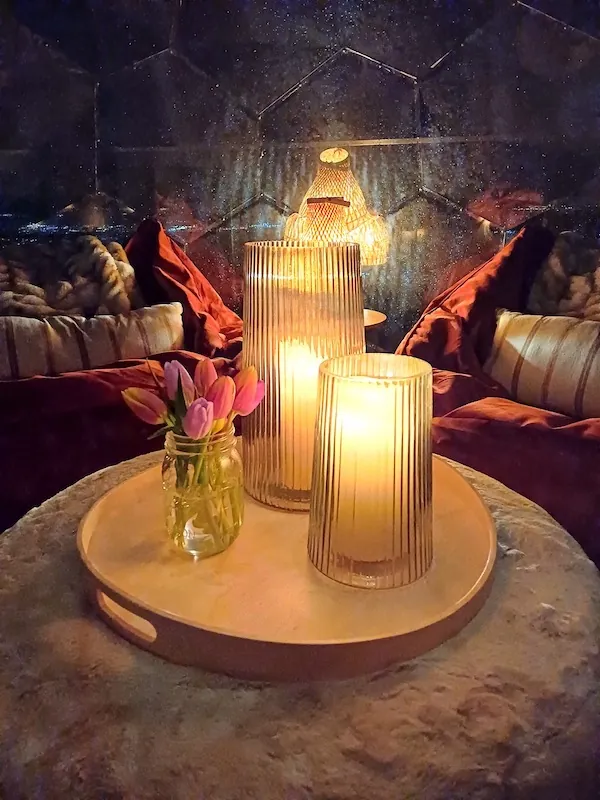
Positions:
{"x": 221, "y": 394}
{"x": 249, "y": 391}
{"x": 146, "y": 405}
{"x": 204, "y": 376}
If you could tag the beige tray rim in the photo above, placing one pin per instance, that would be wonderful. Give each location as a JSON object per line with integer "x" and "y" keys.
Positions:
{"x": 395, "y": 594}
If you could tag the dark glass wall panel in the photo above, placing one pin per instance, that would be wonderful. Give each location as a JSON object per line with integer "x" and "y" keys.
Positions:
{"x": 211, "y": 116}
{"x": 348, "y": 97}
{"x": 101, "y": 35}
{"x": 412, "y": 34}
{"x": 522, "y": 75}
{"x": 165, "y": 102}
{"x": 582, "y": 14}
{"x": 430, "y": 246}
{"x": 509, "y": 181}
{"x": 44, "y": 98}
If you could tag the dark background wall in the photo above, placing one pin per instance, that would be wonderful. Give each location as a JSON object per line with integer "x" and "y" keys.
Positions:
{"x": 464, "y": 118}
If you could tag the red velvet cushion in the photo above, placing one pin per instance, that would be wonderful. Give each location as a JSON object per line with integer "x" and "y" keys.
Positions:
{"x": 456, "y": 330}
{"x": 544, "y": 456}
{"x": 547, "y": 457}
{"x": 57, "y": 430}
{"x": 162, "y": 266}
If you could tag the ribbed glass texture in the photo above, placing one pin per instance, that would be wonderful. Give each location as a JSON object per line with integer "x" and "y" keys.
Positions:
{"x": 302, "y": 304}
{"x": 371, "y": 512}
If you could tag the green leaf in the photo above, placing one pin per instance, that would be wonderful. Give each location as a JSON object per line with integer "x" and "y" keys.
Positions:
{"x": 159, "y": 432}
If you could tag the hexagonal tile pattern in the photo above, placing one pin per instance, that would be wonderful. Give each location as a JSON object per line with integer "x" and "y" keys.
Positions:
{"x": 166, "y": 102}
{"x": 522, "y": 75}
{"x": 388, "y": 174}
{"x": 533, "y": 174}
{"x": 254, "y": 74}
{"x": 43, "y": 97}
{"x": 348, "y": 97}
{"x": 211, "y": 115}
{"x": 429, "y": 246}
{"x": 102, "y": 35}
{"x": 582, "y": 14}
{"x": 258, "y": 50}
{"x": 413, "y": 34}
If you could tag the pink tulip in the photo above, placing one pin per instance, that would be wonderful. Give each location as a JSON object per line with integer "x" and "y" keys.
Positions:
{"x": 146, "y": 405}
{"x": 249, "y": 391}
{"x": 221, "y": 393}
{"x": 175, "y": 372}
{"x": 204, "y": 376}
{"x": 198, "y": 419}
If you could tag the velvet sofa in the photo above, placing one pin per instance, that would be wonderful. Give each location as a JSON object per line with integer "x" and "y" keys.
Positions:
{"x": 550, "y": 458}
{"x": 56, "y": 430}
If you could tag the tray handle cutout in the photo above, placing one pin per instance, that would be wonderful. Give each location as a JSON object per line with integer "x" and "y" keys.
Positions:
{"x": 132, "y": 625}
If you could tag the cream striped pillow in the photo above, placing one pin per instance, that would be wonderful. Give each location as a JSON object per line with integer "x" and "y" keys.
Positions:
{"x": 59, "y": 344}
{"x": 548, "y": 362}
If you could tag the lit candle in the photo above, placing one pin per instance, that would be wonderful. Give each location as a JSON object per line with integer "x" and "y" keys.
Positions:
{"x": 302, "y": 304}
{"x": 370, "y": 522}
{"x": 299, "y": 376}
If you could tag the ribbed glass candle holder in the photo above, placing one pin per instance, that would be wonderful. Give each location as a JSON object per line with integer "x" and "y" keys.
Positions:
{"x": 371, "y": 510}
{"x": 302, "y": 304}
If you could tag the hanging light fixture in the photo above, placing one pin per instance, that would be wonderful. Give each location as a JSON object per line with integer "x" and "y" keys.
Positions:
{"x": 335, "y": 182}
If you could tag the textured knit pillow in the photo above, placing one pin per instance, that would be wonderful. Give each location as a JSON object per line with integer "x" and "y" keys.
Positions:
{"x": 67, "y": 344}
{"x": 548, "y": 362}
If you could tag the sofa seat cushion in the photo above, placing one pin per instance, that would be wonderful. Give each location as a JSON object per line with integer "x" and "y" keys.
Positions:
{"x": 549, "y": 362}
{"x": 547, "y": 457}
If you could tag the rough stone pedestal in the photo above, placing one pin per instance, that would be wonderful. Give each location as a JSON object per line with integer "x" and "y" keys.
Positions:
{"x": 510, "y": 708}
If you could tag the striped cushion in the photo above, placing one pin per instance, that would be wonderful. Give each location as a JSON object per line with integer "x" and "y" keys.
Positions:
{"x": 548, "y": 362}
{"x": 58, "y": 344}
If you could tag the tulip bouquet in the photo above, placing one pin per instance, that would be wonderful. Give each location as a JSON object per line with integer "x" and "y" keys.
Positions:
{"x": 197, "y": 407}
{"x": 202, "y": 474}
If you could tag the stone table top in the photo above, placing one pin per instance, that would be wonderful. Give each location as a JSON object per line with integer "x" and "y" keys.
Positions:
{"x": 510, "y": 708}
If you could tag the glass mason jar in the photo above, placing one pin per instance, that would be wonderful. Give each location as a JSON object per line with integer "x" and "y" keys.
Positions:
{"x": 204, "y": 495}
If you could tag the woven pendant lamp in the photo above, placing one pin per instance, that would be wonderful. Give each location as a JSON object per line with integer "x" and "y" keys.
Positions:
{"x": 335, "y": 179}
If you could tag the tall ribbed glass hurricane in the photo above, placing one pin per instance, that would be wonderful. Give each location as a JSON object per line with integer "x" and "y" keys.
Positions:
{"x": 371, "y": 509}
{"x": 302, "y": 304}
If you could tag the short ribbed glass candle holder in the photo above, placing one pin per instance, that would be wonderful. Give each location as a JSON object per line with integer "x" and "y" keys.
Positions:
{"x": 302, "y": 304}
{"x": 371, "y": 510}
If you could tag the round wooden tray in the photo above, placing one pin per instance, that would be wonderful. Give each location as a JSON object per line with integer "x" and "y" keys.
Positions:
{"x": 261, "y": 611}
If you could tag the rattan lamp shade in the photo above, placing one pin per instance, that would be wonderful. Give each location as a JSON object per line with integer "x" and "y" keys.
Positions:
{"x": 371, "y": 506}
{"x": 302, "y": 304}
{"x": 335, "y": 179}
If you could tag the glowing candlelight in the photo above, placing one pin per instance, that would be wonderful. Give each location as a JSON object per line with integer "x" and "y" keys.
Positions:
{"x": 302, "y": 304}
{"x": 299, "y": 376}
{"x": 370, "y": 516}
